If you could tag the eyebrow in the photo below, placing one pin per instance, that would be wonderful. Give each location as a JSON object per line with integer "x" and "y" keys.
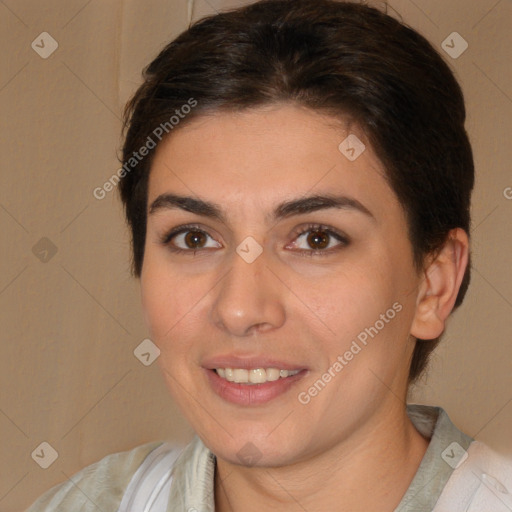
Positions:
{"x": 284, "y": 210}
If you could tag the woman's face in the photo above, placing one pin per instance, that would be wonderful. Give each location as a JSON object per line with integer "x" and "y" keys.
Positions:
{"x": 269, "y": 278}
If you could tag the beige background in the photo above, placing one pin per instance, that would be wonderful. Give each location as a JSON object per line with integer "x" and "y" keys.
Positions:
{"x": 69, "y": 326}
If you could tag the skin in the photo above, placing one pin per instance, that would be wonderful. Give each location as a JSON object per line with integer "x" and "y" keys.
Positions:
{"x": 352, "y": 447}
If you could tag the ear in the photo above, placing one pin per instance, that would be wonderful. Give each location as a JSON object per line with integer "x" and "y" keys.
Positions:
{"x": 440, "y": 286}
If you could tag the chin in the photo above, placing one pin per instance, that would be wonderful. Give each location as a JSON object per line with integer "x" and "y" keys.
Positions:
{"x": 255, "y": 448}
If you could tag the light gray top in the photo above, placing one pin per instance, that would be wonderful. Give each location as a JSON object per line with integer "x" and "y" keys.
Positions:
{"x": 102, "y": 485}
{"x": 193, "y": 476}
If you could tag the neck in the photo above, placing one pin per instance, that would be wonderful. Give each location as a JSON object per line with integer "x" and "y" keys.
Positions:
{"x": 369, "y": 471}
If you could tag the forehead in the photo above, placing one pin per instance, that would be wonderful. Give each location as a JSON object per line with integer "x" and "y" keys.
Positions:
{"x": 256, "y": 158}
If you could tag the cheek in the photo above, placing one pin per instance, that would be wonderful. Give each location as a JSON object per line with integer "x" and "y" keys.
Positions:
{"x": 352, "y": 300}
{"x": 166, "y": 300}
{"x": 371, "y": 305}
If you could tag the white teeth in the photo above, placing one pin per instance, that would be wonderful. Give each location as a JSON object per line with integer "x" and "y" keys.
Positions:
{"x": 272, "y": 374}
{"x": 257, "y": 376}
{"x": 254, "y": 376}
{"x": 240, "y": 375}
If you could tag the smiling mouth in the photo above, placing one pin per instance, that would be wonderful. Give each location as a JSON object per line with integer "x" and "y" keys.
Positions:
{"x": 252, "y": 386}
{"x": 255, "y": 375}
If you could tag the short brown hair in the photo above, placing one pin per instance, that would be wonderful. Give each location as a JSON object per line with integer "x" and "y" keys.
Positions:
{"x": 344, "y": 59}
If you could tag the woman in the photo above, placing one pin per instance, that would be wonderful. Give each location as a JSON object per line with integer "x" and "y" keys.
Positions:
{"x": 297, "y": 180}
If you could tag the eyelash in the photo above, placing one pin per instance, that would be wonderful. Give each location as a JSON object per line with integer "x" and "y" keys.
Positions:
{"x": 166, "y": 239}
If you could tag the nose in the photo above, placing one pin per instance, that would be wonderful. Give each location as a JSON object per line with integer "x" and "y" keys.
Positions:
{"x": 249, "y": 298}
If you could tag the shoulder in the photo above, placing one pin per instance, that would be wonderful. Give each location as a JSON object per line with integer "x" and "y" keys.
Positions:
{"x": 99, "y": 486}
{"x": 482, "y": 482}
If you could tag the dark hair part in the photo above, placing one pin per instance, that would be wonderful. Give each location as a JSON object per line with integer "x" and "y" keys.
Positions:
{"x": 344, "y": 59}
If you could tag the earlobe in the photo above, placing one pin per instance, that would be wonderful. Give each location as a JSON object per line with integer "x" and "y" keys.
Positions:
{"x": 440, "y": 286}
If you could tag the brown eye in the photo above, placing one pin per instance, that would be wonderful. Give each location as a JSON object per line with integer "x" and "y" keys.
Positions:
{"x": 195, "y": 239}
{"x": 318, "y": 239}
{"x": 189, "y": 239}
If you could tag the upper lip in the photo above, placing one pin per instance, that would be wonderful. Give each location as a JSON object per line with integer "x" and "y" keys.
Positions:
{"x": 230, "y": 361}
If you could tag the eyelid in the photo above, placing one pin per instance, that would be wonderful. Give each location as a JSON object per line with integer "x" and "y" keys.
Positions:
{"x": 342, "y": 238}
{"x": 299, "y": 231}
{"x": 169, "y": 235}
{"x": 339, "y": 235}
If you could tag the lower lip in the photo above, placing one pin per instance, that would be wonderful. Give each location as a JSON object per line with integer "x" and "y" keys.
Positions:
{"x": 251, "y": 394}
